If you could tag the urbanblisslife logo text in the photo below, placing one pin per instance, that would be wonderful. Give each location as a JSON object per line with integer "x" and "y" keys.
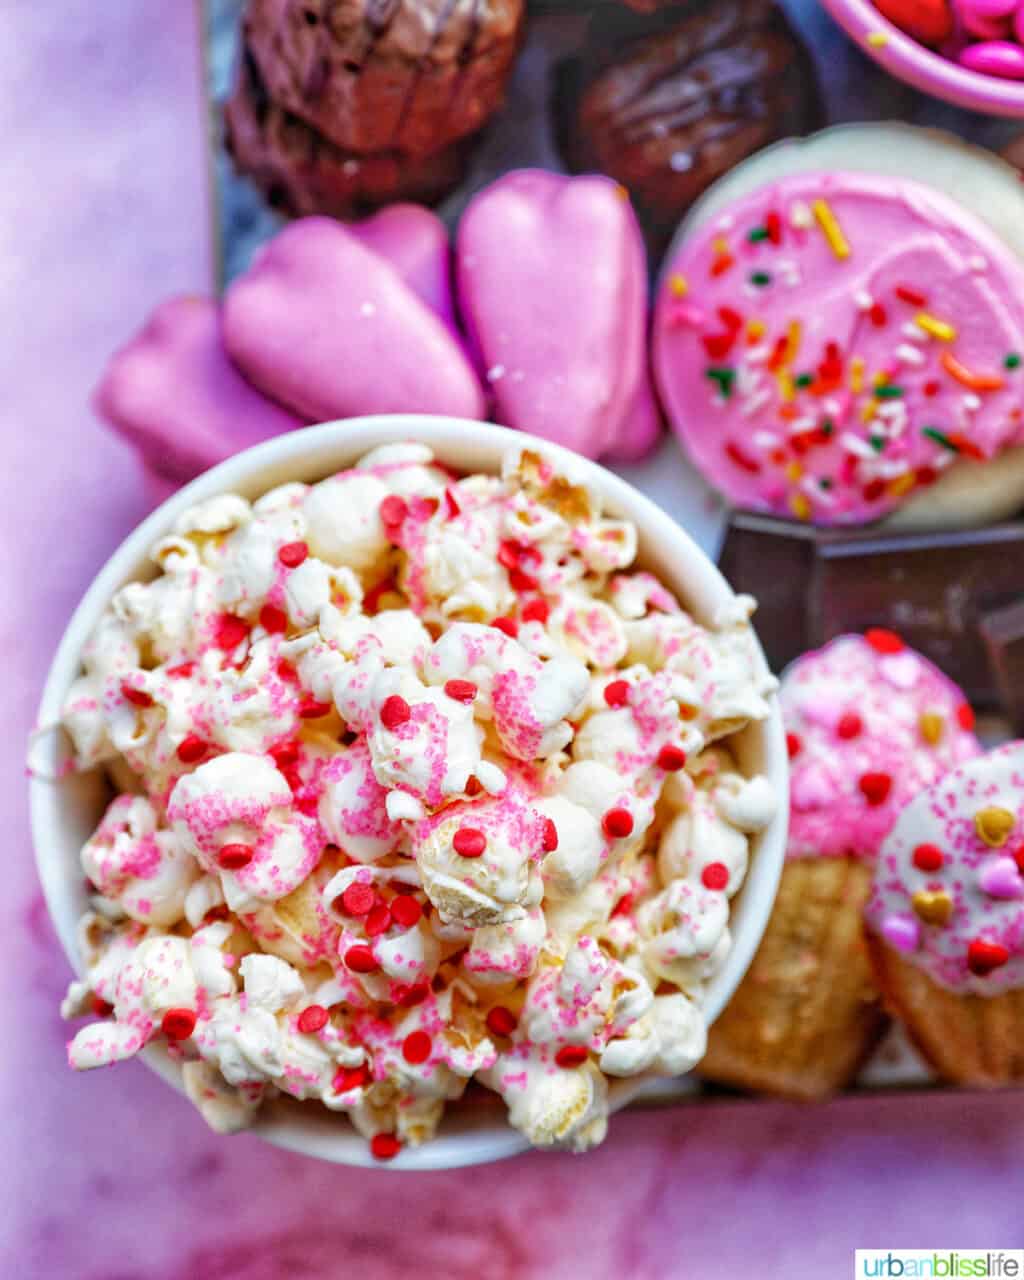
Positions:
{"x": 939, "y": 1264}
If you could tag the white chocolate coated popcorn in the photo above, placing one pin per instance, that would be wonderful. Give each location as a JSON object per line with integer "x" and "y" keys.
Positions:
{"x": 423, "y": 782}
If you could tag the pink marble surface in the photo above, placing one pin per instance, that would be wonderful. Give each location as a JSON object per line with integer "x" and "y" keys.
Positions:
{"x": 111, "y": 1176}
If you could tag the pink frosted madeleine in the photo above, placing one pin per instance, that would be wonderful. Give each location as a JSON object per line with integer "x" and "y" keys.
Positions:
{"x": 552, "y": 286}
{"x": 831, "y": 344}
{"x": 324, "y": 324}
{"x": 870, "y": 724}
{"x": 173, "y": 393}
{"x": 947, "y": 918}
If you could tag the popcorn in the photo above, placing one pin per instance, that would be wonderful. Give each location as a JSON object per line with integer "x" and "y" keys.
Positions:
{"x": 418, "y": 787}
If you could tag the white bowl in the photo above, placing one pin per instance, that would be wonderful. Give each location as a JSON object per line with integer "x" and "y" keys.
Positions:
{"x": 64, "y": 813}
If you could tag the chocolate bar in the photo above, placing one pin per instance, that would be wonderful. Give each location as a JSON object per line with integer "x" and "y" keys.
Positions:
{"x": 935, "y": 589}
{"x": 1003, "y": 635}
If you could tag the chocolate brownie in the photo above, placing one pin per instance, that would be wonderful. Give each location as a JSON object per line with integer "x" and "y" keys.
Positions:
{"x": 301, "y": 172}
{"x": 669, "y": 103}
{"x": 407, "y": 76}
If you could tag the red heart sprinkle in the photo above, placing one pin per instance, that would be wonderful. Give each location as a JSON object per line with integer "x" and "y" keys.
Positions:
{"x": 983, "y": 957}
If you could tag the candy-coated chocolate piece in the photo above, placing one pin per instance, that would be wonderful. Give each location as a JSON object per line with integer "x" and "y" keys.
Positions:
{"x": 983, "y": 27}
{"x": 328, "y": 327}
{"x": 552, "y": 286}
{"x": 987, "y": 8}
{"x": 172, "y": 393}
{"x": 930, "y": 21}
{"x": 995, "y": 58}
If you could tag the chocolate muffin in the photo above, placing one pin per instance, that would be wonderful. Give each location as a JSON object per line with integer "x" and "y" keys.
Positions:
{"x": 409, "y": 76}
{"x": 301, "y": 172}
{"x": 667, "y": 104}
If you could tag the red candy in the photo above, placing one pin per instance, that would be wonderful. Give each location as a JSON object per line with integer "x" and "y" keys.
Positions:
{"x": 357, "y": 899}
{"x": 930, "y": 21}
{"x": 715, "y": 875}
{"x": 230, "y": 631}
{"x": 312, "y": 1019}
{"x": 572, "y": 1055}
{"x": 536, "y": 611}
{"x": 928, "y": 857}
{"x": 191, "y": 749}
{"x": 406, "y": 911}
{"x": 385, "y": 1146}
{"x": 501, "y": 1021}
{"x": 292, "y": 554}
{"x": 671, "y": 758}
{"x": 468, "y": 842}
{"x": 347, "y": 1078}
{"x": 233, "y": 857}
{"x": 850, "y": 725}
{"x": 883, "y": 641}
{"x": 983, "y": 957}
{"x": 378, "y": 920}
{"x": 617, "y": 824}
{"x": 273, "y": 619}
{"x": 793, "y": 745}
{"x": 875, "y": 787}
{"x": 178, "y": 1024}
{"x": 360, "y": 959}
{"x": 137, "y": 697}
{"x": 395, "y": 712}
{"x": 416, "y": 1047}
{"x": 549, "y": 836}
{"x": 460, "y": 690}
{"x": 616, "y": 694}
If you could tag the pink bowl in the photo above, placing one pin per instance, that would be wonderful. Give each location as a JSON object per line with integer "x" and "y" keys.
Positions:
{"x": 908, "y": 60}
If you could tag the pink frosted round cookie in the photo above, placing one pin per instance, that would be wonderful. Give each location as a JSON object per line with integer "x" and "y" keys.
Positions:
{"x": 949, "y": 885}
{"x": 870, "y": 722}
{"x": 830, "y": 344}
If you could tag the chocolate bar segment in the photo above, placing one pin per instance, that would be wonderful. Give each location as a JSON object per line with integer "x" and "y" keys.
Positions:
{"x": 933, "y": 588}
{"x": 1003, "y": 635}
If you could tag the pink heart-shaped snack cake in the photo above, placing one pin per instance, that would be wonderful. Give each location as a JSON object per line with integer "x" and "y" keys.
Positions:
{"x": 831, "y": 344}
{"x": 947, "y": 918}
{"x": 327, "y": 326}
{"x": 551, "y": 280}
{"x": 173, "y": 393}
{"x": 415, "y": 241}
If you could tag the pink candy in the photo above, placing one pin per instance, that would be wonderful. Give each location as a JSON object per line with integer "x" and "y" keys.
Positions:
{"x": 995, "y": 58}
{"x": 985, "y": 36}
